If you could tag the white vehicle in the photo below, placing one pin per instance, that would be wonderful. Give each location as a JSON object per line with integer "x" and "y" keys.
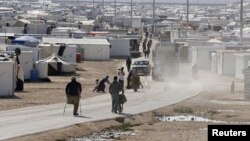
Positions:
{"x": 141, "y": 66}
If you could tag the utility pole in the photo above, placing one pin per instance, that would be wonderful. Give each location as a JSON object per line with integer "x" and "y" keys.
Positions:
{"x": 131, "y": 13}
{"x": 103, "y": 5}
{"x": 93, "y": 4}
{"x": 115, "y": 13}
{"x": 153, "y": 28}
{"x": 187, "y": 13}
{"x": 241, "y": 20}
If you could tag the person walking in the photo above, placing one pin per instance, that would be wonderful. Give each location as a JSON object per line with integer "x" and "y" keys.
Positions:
{"x": 114, "y": 89}
{"x": 195, "y": 72}
{"x": 135, "y": 81}
{"x": 128, "y": 63}
{"x": 232, "y": 87}
{"x": 73, "y": 91}
{"x": 129, "y": 79}
{"x": 121, "y": 75}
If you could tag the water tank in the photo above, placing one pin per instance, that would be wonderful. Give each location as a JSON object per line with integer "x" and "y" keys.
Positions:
{"x": 247, "y": 83}
{"x": 42, "y": 69}
{"x": 33, "y": 75}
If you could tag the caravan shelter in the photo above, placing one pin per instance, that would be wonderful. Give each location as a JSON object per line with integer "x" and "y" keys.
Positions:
{"x": 90, "y": 49}
{"x": 57, "y": 66}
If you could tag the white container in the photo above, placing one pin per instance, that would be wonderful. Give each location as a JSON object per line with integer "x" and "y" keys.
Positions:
{"x": 94, "y": 49}
{"x": 35, "y": 51}
{"x": 214, "y": 63}
{"x": 7, "y": 78}
{"x": 95, "y": 52}
{"x": 26, "y": 61}
{"x": 69, "y": 54}
{"x": 241, "y": 64}
{"x": 201, "y": 55}
{"x": 247, "y": 83}
{"x": 42, "y": 68}
{"x": 226, "y": 61}
{"x": 119, "y": 47}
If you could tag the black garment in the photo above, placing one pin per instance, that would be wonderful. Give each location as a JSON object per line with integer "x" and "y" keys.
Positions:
{"x": 128, "y": 63}
{"x": 129, "y": 80}
{"x": 149, "y": 43}
{"x": 19, "y": 85}
{"x": 73, "y": 88}
{"x": 114, "y": 88}
{"x": 101, "y": 86}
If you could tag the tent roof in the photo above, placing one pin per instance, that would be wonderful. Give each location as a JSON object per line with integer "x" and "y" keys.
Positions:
{"x": 55, "y": 58}
{"x": 74, "y": 41}
{"x": 214, "y": 41}
{"x": 26, "y": 38}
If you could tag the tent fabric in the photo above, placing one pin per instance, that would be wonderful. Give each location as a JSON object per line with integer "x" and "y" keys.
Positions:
{"x": 214, "y": 41}
{"x": 26, "y": 40}
{"x": 57, "y": 66}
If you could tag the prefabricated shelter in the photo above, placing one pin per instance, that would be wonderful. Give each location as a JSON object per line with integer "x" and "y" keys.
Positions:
{"x": 119, "y": 47}
{"x": 37, "y": 27}
{"x": 57, "y": 66}
{"x": 7, "y": 78}
{"x": 201, "y": 56}
{"x": 35, "y": 51}
{"x": 214, "y": 65}
{"x": 247, "y": 83}
{"x": 67, "y": 52}
{"x": 226, "y": 61}
{"x": 26, "y": 61}
{"x": 90, "y": 49}
{"x": 42, "y": 69}
{"x": 241, "y": 64}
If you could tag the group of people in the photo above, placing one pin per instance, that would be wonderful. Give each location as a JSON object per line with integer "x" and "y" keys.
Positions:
{"x": 116, "y": 88}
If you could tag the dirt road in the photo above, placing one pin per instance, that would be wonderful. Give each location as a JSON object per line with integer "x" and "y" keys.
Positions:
{"x": 37, "y": 119}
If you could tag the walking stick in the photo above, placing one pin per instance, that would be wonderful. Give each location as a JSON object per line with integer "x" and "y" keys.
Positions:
{"x": 80, "y": 107}
{"x": 65, "y": 108}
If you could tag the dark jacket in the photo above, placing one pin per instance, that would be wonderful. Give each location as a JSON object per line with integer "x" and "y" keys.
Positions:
{"x": 114, "y": 88}
{"x": 73, "y": 88}
{"x": 128, "y": 62}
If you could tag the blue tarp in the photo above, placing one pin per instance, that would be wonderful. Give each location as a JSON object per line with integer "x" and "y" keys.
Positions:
{"x": 26, "y": 40}
{"x": 23, "y": 39}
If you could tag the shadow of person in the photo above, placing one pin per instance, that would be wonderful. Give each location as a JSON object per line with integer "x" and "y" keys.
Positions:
{"x": 127, "y": 115}
{"x": 10, "y": 97}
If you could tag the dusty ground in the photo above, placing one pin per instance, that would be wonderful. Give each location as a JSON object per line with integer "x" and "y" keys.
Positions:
{"x": 215, "y": 103}
{"x": 53, "y": 92}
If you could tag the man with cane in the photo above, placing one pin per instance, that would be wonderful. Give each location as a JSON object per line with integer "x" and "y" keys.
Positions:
{"x": 73, "y": 91}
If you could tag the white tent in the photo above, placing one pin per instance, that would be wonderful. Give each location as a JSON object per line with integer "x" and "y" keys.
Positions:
{"x": 214, "y": 41}
{"x": 68, "y": 52}
{"x": 57, "y": 66}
